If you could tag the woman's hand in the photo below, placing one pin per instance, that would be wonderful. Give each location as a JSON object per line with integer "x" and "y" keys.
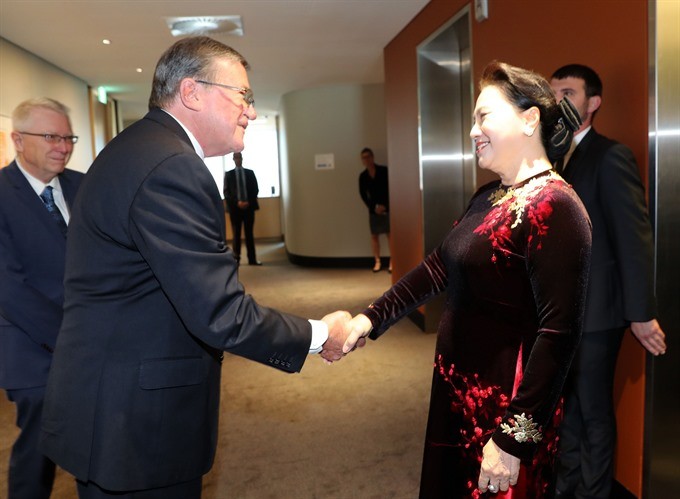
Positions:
{"x": 499, "y": 469}
{"x": 361, "y": 326}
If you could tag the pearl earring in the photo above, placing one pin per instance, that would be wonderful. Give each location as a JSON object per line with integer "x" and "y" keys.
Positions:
{"x": 528, "y": 132}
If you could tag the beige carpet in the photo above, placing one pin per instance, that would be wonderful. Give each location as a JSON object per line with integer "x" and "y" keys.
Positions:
{"x": 351, "y": 430}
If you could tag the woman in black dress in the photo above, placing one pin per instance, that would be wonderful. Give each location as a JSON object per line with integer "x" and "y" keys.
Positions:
{"x": 375, "y": 193}
{"x": 514, "y": 268}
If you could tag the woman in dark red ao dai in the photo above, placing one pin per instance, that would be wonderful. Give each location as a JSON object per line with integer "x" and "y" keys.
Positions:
{"x": 514, "y": 269}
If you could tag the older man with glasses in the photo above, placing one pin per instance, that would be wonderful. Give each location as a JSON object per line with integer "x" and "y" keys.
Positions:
{"x": 152, "y": 293}
{"x": 36, "y": 195}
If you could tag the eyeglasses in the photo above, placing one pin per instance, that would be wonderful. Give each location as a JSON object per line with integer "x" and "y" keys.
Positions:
{"x": 52, "y": 138}
{"x": 247, "y": 93}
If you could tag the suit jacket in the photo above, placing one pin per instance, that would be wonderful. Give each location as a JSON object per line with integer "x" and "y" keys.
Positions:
{"x": 252, "y": 190}
{"x": 152, "y": 298}
{"x": 621, "y": 283}
{"x": 32, "y": 251}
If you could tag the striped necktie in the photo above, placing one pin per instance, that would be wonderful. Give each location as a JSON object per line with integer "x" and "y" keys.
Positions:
{"x": 48, "y": 198}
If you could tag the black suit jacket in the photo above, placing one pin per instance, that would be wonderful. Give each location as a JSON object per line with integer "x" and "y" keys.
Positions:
{"x": 230, "y": 190}
{"x": 32, "y": 251}
{"x": 152, "y": 298}
{"x": 621, "y": 283}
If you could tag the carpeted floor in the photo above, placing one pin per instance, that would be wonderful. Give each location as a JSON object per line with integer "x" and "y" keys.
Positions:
{"x": 350, "y": 430}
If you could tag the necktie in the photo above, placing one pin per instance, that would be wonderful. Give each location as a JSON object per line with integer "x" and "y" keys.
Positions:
{"x": 48, "y": 198}
{"x": 567, "y": 156}
{"x": 241, "y": 193}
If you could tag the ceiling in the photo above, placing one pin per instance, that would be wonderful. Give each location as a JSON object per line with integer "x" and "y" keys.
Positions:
{"x": 290, "y": 44}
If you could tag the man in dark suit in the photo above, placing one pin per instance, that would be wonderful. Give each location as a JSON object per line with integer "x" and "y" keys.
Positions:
{"x": 152, "y": 296}
{"x": 36, "y": 192}
{"x": 620, "y": 289}
{"x": 240, "y": 193}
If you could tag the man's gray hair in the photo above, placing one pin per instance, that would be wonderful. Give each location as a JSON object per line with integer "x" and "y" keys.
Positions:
{"x": 22, "y": 113}
{"x": 191, "y": 57}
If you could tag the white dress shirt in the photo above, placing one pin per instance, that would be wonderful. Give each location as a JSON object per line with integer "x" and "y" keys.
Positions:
{"x": 38, "y": 186}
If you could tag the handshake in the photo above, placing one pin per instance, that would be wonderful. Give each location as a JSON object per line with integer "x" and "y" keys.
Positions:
{"x": 344, "y": 334}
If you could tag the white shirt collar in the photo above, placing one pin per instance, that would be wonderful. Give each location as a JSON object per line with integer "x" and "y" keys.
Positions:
{"x": 194, "y": 142}
{"x": 579, "y": 136}
{"x": 38, "y": 185}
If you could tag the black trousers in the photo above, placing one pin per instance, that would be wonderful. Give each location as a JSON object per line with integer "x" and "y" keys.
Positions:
{"x": 185, "y": 490}
{"x": 31, "y": 474}
{"x": 588, "y": 432}
{"x": 245, "y": 219}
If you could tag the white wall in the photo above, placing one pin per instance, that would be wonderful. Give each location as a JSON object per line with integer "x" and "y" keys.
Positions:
{"x": 25, "y": 76}
{"x": 323, "y": 215}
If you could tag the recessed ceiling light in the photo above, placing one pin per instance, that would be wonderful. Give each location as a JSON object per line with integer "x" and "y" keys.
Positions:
{"x": 106, "y": 41}
{"x": 229, "y": 25}
{"x": 139, "y": 70}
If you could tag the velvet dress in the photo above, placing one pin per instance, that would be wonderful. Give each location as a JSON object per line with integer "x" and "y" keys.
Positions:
{"x": 514, "y": 268}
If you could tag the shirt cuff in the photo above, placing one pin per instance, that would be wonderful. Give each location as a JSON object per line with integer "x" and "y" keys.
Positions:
{"x": 319, "y": 335}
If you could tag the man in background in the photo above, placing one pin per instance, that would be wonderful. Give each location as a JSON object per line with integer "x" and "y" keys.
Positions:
{"x": 152, "y": 296}
{"x": 36, "y": 193}
{"x": 240, "y": 193}
{"x": 620, "y": 289}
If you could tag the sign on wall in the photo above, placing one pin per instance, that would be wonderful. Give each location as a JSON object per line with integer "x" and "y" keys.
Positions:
{"x": 324, "y": 161}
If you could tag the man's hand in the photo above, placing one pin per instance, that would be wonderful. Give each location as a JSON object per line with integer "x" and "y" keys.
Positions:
{"x": 338, "y": 330}
{"x": 360, "y": 327}
{"x": 650, "y": 335}
{"x": 380, "y": 209}
{"x": 499, "y": 469}
{"x": 243, "y": 205}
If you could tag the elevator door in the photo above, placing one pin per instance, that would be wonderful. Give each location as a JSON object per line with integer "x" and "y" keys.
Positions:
{"x": 446, "y": 157}
{"x": 662, "y": 412}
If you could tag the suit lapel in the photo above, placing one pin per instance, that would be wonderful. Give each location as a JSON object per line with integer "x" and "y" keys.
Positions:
{"x": 31, "y": 202}
{"x": 579, "y": 153}
{"x": 68, "y": 188}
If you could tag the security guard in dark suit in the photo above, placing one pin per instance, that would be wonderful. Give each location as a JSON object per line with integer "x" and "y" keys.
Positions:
{"x": 620, "y": 289}
{"x": 240, "y": 194}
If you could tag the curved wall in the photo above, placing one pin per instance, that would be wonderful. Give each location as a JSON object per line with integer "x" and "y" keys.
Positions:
{"x": 323, "y": 215}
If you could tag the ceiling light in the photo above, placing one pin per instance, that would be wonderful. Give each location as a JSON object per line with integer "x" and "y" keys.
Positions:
{"x": 229, "y": 25}
{"x": 106, "y": 41}
{"x": 139, "y": 70}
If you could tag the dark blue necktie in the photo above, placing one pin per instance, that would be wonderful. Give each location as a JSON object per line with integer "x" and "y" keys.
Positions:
{"x": 48, "y": 198}
{"x": 241, "y": 193}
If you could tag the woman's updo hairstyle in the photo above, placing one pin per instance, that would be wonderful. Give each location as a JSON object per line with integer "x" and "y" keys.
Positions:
{"x": 526, "y": 89}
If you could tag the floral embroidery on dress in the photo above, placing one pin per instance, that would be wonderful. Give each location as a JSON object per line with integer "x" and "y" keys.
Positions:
{"x": 523, "y": 429}
{"x": 481, "y": 408}
{"x": 510, "y": 205}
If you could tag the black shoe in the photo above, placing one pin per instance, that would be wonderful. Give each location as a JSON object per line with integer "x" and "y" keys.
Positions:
{"x": 255, "y": 262}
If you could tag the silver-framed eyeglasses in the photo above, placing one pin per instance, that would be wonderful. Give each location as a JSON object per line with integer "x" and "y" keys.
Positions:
{"x": 53, "y": 138}
{"x": 246, "y": 92}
